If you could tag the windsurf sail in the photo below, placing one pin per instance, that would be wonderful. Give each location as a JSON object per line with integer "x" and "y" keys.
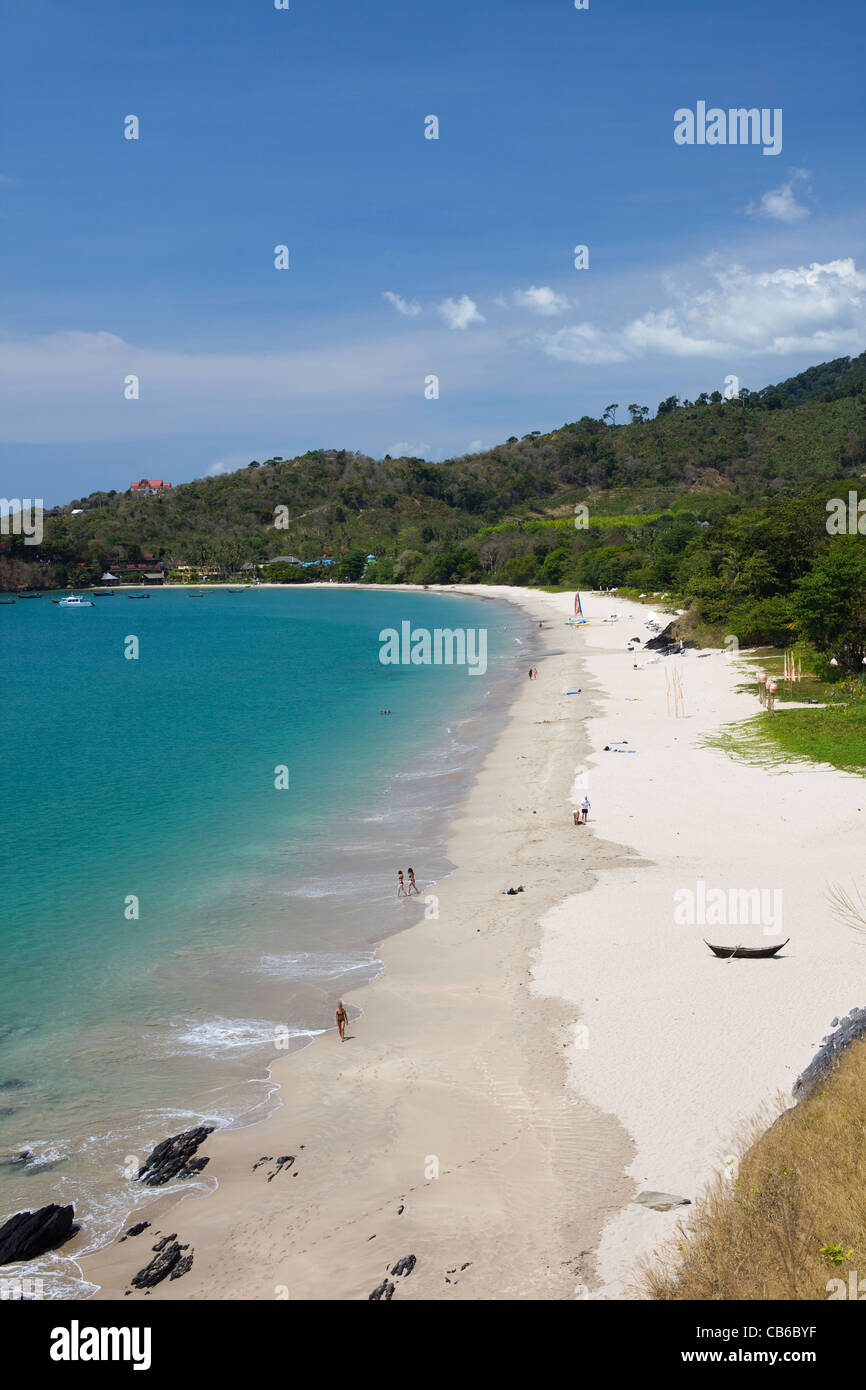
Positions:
{"x": 578, "y": 611}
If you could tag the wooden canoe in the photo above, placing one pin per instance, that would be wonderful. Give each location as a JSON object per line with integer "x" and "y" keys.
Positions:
{"x": 745, "y": 952}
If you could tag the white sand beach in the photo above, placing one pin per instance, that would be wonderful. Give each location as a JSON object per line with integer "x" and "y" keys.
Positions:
{"x": 526, "y": 1065}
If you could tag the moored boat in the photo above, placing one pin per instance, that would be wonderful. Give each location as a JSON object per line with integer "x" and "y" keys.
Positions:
{"x": 74, "y": 601}
{"x": 745, "y": 952}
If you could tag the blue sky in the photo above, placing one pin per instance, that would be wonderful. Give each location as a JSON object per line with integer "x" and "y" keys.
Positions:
{"x": 306, "y": 127}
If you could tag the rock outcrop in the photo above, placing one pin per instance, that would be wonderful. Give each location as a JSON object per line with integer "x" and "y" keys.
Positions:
{"x": 847, "y": 1031}
{"x": 169, "y": 1263}
{"x": 31, "y": 1233}
{"x": 174, "y": 1158}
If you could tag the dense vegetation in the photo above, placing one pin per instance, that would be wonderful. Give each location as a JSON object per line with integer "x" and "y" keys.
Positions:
{"x": 721, "y": 503}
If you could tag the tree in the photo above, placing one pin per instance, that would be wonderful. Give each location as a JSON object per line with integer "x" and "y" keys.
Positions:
{"x": 351, "y": 566}
{"x": 638, "y": 413}
{"x": 829, "y": 603}
{"x": 609, "y": 415}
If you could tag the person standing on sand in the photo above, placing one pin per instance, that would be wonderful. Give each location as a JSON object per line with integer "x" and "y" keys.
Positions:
{"x": 412, "y": 884}
{"x": 584, "y": 807}
{"x": 341, "y": 1018}
{"x": 401, "y": 890}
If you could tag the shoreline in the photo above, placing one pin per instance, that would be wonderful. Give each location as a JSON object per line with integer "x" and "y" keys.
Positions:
{"x": 478, "y": 1088}
{"x": 557, "y": 1052}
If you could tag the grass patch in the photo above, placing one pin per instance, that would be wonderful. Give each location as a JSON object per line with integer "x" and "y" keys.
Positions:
{"x": 834, "y": 735}
{"x": 793, "y": 1217}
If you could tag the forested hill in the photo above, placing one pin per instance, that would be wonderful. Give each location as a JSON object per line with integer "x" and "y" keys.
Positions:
{"x": 674, "y": 502}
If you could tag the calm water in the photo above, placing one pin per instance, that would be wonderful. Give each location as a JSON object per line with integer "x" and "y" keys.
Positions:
{"x": 154, "y": 780}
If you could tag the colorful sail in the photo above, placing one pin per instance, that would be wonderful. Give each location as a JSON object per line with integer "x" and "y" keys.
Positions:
{"x": 578, "y": 611}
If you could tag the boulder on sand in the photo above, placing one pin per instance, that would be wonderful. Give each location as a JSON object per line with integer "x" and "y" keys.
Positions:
{"x": 31, "y": 1233}
{"x": 173, "y": 1158}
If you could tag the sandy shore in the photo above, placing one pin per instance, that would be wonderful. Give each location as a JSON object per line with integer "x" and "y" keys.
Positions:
{"x": 454, "y": 1068}
{"x": 526, "y": 1065}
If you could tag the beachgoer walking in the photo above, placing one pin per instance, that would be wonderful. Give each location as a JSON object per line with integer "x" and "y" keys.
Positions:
{"x": 584, "y": 807}
{"x": 412, "y": 884}
{"x": 401, "y": 888}
{"x": 530, "y": 673}
{"x": 341, "y": 1018}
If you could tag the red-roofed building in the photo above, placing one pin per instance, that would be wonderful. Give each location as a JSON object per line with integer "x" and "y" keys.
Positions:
{"x": 148, "y": 486}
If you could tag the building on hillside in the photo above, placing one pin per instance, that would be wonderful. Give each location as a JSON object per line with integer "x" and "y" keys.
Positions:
{"x": 147, "y": 487}
{"x": 154, "y": 578}
{"x": 108, "y": 578}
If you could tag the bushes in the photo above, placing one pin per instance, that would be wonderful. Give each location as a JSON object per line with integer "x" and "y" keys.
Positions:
{"x": 766, "y": 623}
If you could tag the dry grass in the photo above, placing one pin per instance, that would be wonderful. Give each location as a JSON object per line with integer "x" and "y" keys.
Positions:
{"x": 794, "y": 1216}
{"x": 848, "y": 906}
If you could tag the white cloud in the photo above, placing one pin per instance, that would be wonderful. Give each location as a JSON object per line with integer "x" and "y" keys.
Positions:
{"x": 410, "y": 309}
{"x": 475, "y": 446}
{"x": 227, "y": 463}
{"x": 541, "y": 299}
{"x": 781, "y": 203}
{"x": 459, "y": 313}
{"x": 583, "y": 343}
{"x": 817, "y": 309}
{"x": 403, "y": 449}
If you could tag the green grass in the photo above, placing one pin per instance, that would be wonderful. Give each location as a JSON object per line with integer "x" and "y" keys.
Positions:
{"x": 834, "y": 735}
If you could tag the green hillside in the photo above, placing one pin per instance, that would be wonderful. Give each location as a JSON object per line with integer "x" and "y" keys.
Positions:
{"x": 722, "y": 503}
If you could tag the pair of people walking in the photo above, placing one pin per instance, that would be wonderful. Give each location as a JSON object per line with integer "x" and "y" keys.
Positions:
{"x": 533, "y": 673}
{"x": 404, "y": 891}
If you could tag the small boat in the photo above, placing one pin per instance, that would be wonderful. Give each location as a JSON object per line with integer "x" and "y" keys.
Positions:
{"x": 238, "y": 591}
{"x": 29, "y": 595}
{"x": 745, "y": 952}
{"x": 74, "y": 601}
{"x": 138, "y": 595}
{"x": 8, "y": 600}
{"x": 102, "y": 593}
{"x": 198, "y": 595}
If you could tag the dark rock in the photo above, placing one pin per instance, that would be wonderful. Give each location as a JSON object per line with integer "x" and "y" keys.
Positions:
{"x": 849, "y": 1030}
{"x": 182, "y": 1267}
{"x": 385, "y": 1292}
{"x": 466, "y": 1266}
{"x": 13, "y": 1083}
{"x": 31, "y": 1233}
{"x": 283, "y": 1163}
{"x": 662, "y": 640}
{"x": 161, "y": 1244}
{"x": 135, "y": 1230}
{"x": 173, "y": 1158}
{"x": 405, "y": 1266}
{"x": 160, "y": 1267}
{"x": 14, "y": 1160}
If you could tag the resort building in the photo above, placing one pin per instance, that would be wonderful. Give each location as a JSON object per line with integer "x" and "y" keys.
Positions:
{"x": 147, "y": 487}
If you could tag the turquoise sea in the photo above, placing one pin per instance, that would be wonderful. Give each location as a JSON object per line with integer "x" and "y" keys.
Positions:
{"x": 147, "y": 786}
